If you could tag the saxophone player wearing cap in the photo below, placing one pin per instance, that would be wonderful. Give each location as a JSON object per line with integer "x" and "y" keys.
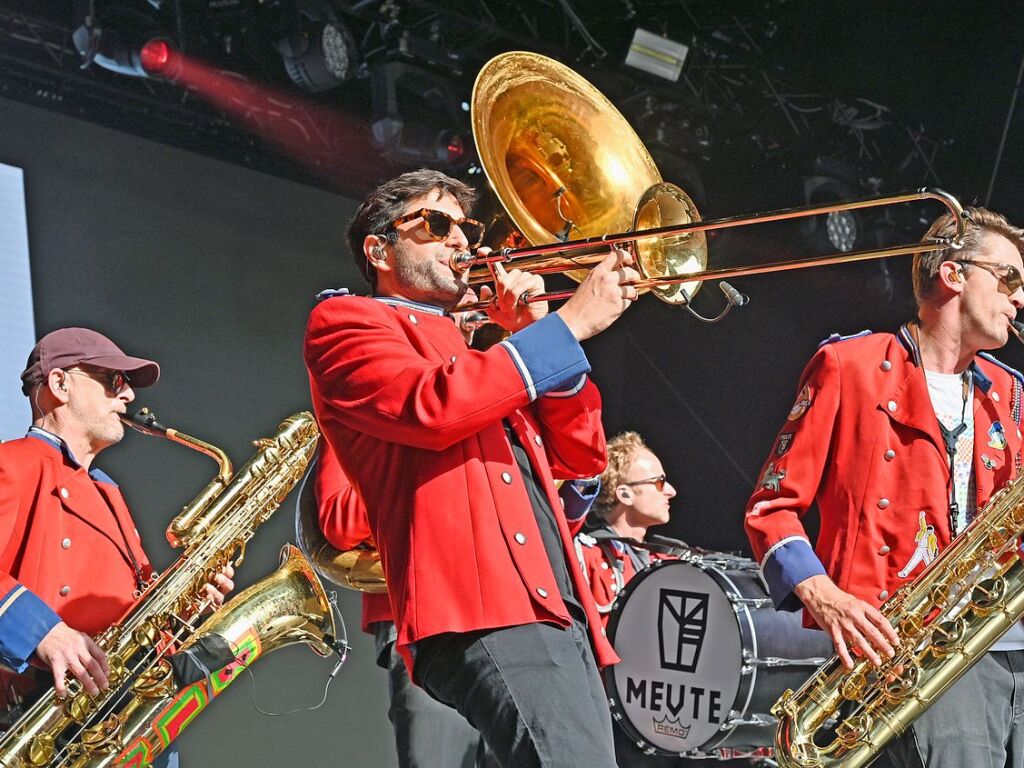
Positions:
{"x": 900, "y": 439}
{"x": 71, "y": 560}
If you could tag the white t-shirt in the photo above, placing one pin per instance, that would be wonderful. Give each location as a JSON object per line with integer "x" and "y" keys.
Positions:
{"x": 947, "y": 394}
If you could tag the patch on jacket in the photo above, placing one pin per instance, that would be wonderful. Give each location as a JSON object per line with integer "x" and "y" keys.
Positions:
{"x": 926, "y": 547}
{"x": 803, "y": 402}
{"x": 997, "y": 438}
{"x": 585, "y": 540}
{"x": 770, "y": 478}
{"x": 784, "y": 443}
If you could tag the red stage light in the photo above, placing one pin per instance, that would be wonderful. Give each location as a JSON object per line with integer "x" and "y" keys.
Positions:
{"x": 456, "y": 149}
{"x": 155, "y": 56}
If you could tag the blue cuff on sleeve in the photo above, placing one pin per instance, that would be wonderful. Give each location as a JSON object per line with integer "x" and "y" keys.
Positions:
{"x": 547, "y": 355}
{"x": 24, "y": 622}
{"x": 577, "y": 501}
{"x": 786, "y": 565}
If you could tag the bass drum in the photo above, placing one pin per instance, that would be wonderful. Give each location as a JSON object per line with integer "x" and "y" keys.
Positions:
{"x": 704, "y": 657}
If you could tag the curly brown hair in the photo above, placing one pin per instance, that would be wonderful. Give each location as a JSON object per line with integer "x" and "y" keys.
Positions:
{"x": 622, "y": 449}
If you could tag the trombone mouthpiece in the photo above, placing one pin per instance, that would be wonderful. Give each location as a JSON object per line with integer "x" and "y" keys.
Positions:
{"x": 461, "y": 261}
{"x": 1018, "y": 330}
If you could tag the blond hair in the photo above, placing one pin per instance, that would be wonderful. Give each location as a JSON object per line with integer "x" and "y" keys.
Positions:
{"x": 622, "y": 450}
{"x": 980, "y": 221}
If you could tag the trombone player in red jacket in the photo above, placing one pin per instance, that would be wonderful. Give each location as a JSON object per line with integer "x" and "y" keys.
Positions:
{"x": 454, "y": 453}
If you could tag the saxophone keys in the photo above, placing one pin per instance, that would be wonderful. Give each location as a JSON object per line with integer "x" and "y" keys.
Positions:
{"x": 41, "y": 750}
{"x": 854, "y": 687}
{"x": 902, "y": 681}
{"x": 155, "y": 682}
{"x": 988, "y": 596}
{"x": 948, "y": 637}
{"x": 79, "y": 707}
{"x": 103, "y": 738}
{"x": 853, "y": 730}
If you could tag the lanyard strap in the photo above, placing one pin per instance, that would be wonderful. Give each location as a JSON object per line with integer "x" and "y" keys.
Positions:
{"x": 950, "y": 436}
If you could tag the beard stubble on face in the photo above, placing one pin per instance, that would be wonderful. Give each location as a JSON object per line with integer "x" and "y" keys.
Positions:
{"x": 428, "y": 280}
{"x": 101, "y": 428}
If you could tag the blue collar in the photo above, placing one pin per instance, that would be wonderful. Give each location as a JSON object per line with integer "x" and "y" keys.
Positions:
{"x": 908, "y": 340}
{"x": 397, "y": 301}
{"x": 57, "y": 442}
{"x": 393, "y": 301}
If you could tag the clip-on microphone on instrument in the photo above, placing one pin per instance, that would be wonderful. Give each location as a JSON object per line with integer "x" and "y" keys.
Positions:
{"x": 733, "y": 299}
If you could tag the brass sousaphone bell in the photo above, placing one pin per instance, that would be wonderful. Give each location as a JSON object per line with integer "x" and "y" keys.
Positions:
{"x": 565, "y": 165}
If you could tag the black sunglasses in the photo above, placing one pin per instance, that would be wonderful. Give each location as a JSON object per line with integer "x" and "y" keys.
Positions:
{"x": 1012, "y": 279}
{"x": 658, "y": 482}
{"x": 115, "y": 381}
{"x": 439, "y": 225}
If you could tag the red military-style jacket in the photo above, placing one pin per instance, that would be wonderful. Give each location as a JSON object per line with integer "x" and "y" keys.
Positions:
{"x": 343, "y": 521}
{"x": 863, "y": 442}
{"x": 608, "y": 567}
{"x": 66, "y": 543}
{"x": 416, "y": 421}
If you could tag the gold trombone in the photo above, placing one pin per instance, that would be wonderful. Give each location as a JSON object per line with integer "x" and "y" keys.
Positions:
{"x": 562, "y": 160}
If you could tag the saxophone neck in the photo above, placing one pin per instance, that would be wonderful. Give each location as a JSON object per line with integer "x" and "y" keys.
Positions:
{"x": 145, "y": 421}
{"x": 181, "y": 530}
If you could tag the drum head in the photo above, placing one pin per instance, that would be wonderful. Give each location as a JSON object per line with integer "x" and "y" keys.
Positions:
{"x": 681, "y": 647}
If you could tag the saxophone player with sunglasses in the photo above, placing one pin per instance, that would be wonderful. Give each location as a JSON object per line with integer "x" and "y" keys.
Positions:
{"x": 71, "y": 559}
{"x": 900, "y": 439}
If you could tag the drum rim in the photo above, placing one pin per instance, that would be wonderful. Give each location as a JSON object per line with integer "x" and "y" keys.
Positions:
{"x": 745, "y": 689}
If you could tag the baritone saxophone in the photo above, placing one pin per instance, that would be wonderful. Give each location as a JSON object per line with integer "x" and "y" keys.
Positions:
{"x": 212, "y": 531}
{"x": 946, "y": 619}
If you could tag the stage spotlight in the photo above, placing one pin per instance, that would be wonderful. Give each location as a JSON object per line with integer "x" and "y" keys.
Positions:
{"x": 417, "y": 116}
{"x": 836, "y": 231}
{"x": 319, "y": 53}
{"x": 842, "y": 230}
{"x": 121, "y": 39}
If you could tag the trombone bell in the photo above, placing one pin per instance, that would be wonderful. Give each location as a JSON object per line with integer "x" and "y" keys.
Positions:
{"x": 664, "y": 205}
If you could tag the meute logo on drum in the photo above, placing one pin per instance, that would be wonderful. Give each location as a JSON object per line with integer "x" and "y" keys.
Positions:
{"x": 682, "y": 624}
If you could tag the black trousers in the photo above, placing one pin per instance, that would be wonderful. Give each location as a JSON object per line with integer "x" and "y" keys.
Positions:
{"x": 533, "y": 692}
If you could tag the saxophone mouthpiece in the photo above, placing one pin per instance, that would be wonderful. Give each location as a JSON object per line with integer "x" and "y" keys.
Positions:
{"x": 144, "y": 421}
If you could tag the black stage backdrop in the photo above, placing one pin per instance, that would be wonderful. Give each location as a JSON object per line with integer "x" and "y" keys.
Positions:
{"x": 211, "y": 269}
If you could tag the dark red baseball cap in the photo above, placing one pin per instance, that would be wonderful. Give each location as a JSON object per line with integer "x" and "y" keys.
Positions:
{"x": 67, "y": 347}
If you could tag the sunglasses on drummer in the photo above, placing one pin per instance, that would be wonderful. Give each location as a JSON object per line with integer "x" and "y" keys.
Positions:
{"x": 439, "y": 225}
{"x": 658, "y": 482}
{"x": 1007, "y": 274}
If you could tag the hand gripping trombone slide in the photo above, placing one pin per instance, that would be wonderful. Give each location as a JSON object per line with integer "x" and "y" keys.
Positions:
{"x": 947, "y": 619}
{"x": 286, "y": 607}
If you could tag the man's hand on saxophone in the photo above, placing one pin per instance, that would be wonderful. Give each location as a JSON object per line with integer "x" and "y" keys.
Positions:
{"x": 67, "y": 651}
{"x": 218, "y": 589}
{"x": 851, "y": 623}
